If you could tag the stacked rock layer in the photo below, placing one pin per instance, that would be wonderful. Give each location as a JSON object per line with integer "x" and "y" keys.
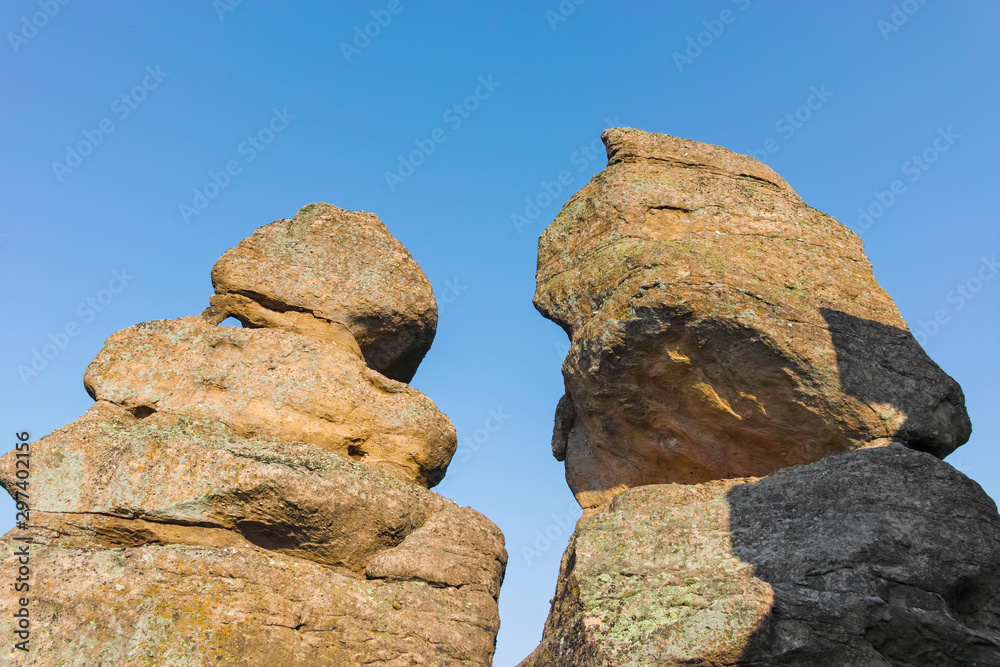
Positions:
{"x": 259, "y": 496}
{"x": 753, "y": 433}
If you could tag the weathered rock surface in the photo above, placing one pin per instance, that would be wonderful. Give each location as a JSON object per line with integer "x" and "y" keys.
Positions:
{"x": 275, "y": 384}
{"x": 256, "y": 496}
{"x": 329, "y": 272}
{"x": 720, "y": 327}
{"x": 171, "y": 540}
{"x": 186, "y": 605}
{"x": 882, "y": 556}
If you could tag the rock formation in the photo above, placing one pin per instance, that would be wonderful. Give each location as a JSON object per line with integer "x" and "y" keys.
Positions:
{"x": 753, "y": 433}
{"x": 883, "y": 556}
{"x": 276, "y": 384}
{"x": 328, "y": 272}
{"x": 720, "y": 327}
{"x": 257, "y": 496}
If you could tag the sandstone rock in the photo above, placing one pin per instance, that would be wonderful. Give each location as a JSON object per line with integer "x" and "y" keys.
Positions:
{"x": 882, "y": 556}
{"x": 275, "y": 384}
{"x": 171, "y": 540}
{"x": 721, "y": 328}
{"x": 256, "y": 496}
{"x": 187, "y": 605}
{"x": 653, "y": 581}
{"x": 449, "y": 549}
{"x": 327, "y": 273}
{"x": 167, "y": 472}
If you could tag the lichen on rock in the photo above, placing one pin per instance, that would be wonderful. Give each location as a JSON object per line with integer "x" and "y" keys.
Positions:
{"x": 333, "y": 275}
{"x": 883, "y": 556}
{"x": 258, "y": 496}
{"x": 720, "y": 327}
{"x": 753, "y": 433}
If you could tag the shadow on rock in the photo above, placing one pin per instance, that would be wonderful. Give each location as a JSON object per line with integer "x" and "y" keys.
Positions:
{"x": 882, "y": 556}
{"x": 885, "y": 367}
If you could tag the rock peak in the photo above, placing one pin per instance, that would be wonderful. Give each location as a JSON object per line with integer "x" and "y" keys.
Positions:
{"x": 332, "y": 274}
{"x": 626, "y": 144}
{"x": 722, "y": 327}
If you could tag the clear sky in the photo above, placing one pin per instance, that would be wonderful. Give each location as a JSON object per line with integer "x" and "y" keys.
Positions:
{"x": 887, "y": 107}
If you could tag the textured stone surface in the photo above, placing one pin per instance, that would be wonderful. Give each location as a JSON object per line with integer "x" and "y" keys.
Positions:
{"x": 328, "y": 272}
{"x": 195, "y": 606}
{"x": 275, "y": 384}
{"x": 256, "y": 496}
{"x": 882, "y": 556}
{"x": 653, "y": 581}
{"x": 720, "y": 327}
{"x": 174, "y": 541}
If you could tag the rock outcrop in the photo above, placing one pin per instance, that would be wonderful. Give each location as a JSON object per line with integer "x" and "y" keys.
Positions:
{"x": 275, "y": 384}
{"x": 252, "y": 496}
{"x": 720, "y": 327}
{"x": 883, "y": 556}
{"x": 328, "y": 272}
{"x": 753, "y": 433}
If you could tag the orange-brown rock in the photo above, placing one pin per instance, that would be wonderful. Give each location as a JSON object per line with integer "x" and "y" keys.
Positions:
{"x": 332, "y": 274}
{"x": 172, "y": 540}
{"x": 720, "y": 327}
{"x": 276, "y": 384}
{"x": 256, "y": 496}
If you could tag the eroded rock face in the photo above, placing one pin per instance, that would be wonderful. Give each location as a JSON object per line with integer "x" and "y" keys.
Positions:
{"x": 882, "y": 556}
{"x": 182, "y": 605}
{"x": 327, "y": 273}
{"x": 275, "y": 384}
{"x": 256, "y": 496}
{"x": 720, "y": 327}
{"x": 175, "y": 539}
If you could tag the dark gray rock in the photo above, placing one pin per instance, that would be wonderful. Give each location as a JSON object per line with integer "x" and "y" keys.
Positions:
{"x": 882, "y": 556}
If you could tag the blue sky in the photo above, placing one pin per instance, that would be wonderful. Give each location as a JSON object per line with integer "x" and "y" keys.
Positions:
{"x": 862, "y": 106}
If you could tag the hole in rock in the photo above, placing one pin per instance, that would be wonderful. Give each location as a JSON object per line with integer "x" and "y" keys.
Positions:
{"x": 269, "y": 536}
{"x": 230, "y": 322}
{"x": 355, "y": 452}
{"x": 143, "y": 411}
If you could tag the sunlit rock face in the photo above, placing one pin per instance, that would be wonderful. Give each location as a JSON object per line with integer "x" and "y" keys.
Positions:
{"x": 258, "y": 496}
{"x": 720, "y": 327}
{"x": 276, "y": 384}
{"x": 335, "y": 275}
{"x": 172, "y": 540}
{"x": 753, "y": 433}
